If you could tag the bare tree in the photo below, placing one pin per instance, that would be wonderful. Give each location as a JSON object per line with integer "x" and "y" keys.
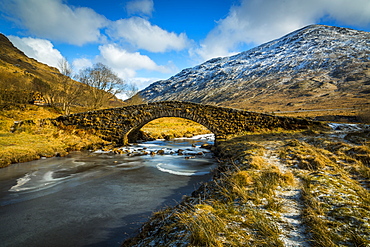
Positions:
{"x": 104, "y": 84}
{"x": 134, "y": 98}
{"x": 65, "y": 68}
{"x": 70, "y": 91}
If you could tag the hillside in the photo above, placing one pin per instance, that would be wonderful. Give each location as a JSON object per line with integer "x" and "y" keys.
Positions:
{"x": 316, "y": 67}
{"x": 15, "y": 61}
{"x": 20, "y": 75}
{"x": 21, "y": 78}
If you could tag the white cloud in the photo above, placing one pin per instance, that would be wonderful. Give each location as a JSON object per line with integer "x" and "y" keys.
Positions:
{"x": 143, "y": 35}
{"x": 124, "y": 63}
{"x": 81, "y": 63}
{"x": 142, "y": 83}
{"x": 40, "y": 49}
{"x": 355, "y": 12}
{"x": 258, "y": 21}
{"x": 54, "y": 20}
{"x": 144, "y": 7}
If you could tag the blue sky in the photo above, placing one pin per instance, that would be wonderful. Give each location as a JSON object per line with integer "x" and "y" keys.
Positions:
{"x": 147, "y": 40}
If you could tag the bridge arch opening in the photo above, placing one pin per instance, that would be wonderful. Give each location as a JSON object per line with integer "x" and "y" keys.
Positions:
{"x": 167, "y": 128}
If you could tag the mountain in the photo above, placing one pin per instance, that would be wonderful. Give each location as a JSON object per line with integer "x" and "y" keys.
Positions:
{"x": 312, "y": 68}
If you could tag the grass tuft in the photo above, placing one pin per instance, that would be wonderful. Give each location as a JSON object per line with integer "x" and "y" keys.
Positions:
{"x": 204, "y": 226}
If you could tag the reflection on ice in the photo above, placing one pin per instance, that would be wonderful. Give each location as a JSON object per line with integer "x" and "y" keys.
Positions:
{"x": 196, "y": 169}
{"x": 130, "y": 165}
{"x": 21, "y": 182}
{"x": 35, "y": 180}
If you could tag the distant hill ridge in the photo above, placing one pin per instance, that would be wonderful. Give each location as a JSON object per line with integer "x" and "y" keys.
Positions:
{"x": 314, "y": 67}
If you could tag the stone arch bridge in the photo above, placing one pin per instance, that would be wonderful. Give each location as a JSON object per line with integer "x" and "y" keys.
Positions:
{"x": 122, "y": 124}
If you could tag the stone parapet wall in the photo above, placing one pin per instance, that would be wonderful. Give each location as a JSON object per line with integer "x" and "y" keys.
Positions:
{"x": 123, "y": 123}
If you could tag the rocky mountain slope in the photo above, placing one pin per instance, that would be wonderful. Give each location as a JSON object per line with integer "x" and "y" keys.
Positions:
{"x": 315, "y": 67}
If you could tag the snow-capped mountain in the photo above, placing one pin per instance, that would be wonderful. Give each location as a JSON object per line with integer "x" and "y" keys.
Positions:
{"x": 316, "y": 60}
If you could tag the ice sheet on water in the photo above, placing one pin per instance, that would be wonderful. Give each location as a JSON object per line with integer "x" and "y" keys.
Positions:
{"x": 21, "y": 182}
{"x": 182, "y": 170}
{"x": 346, "y": 127}
{"x": 209, "y": 137}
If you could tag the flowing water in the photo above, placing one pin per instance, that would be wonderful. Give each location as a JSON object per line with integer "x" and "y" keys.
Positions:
{"x": 99, "y": 198}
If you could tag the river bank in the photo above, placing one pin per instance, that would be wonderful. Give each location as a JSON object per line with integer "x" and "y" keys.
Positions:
{"x": 32, "y": 142}
{"x": 308, "y": 188}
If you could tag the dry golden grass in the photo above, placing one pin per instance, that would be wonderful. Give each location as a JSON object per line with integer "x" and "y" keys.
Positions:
{"x": 33, "y": 142}
{"x": 306, "y": 156}
{"x": 171, "y": 127}
{"x": 32, "y": 112}
{"x": 336, "y": 203}
{"x": 204, "y": 225}
{"x": 224, "y": 224}
{"x": 336, "y": 207}
{"x": 269, "y": 179}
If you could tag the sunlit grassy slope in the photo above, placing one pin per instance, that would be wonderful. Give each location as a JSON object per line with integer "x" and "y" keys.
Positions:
{"x": 171, "y": 127}
{"x": 32, "y": 142}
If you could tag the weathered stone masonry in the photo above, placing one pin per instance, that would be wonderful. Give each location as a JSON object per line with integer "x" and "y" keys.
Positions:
{"x": 122, "y": 124}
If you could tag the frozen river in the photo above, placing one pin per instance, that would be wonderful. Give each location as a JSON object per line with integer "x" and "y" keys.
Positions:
{"x": 96, "y": 199}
